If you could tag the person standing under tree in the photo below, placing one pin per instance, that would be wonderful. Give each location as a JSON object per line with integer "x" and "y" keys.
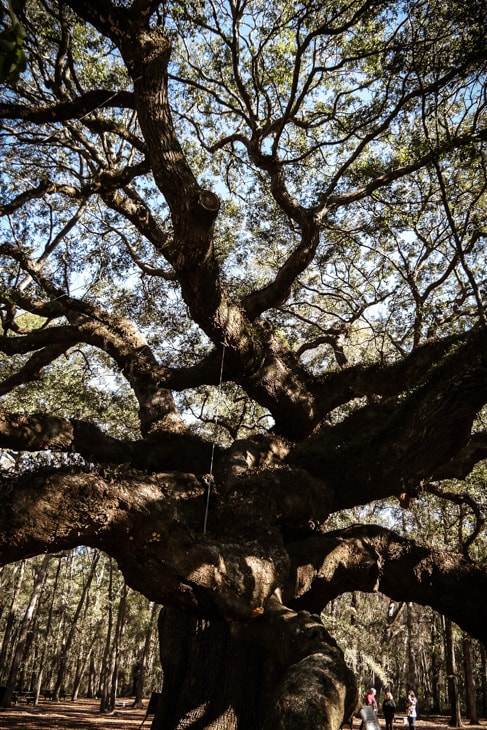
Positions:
{"x": 411, "y": 712}
{"x": 388, "y": 710}
{"x": 371, "y": 702}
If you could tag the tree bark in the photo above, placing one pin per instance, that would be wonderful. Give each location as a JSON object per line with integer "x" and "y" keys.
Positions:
{"x": 140, "y": 670}
{"x": 104, "y": 685}
{"x": 234, "y": 569}
{"x": 23, "y": 632}
{"x": 47, "y": 635}
{"x": 278, "y": 670}
{"x": 412, "y": 674}
{"x": 452, "y": 677}
{"x": 115, "y": 650}
{"x": 7, "y": 636}
{"x": 73, "y": 628}
{"x": 469, "y": 681}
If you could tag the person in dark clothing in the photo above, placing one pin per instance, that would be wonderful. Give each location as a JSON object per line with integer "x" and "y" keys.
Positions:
{"x": 388, "y": 710}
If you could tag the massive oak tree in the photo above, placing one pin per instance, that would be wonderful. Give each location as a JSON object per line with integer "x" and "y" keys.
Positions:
{"x": 243, "y": 290}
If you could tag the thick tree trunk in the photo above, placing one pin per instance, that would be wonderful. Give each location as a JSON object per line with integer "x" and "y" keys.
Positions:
{"x": 280, "y": 670}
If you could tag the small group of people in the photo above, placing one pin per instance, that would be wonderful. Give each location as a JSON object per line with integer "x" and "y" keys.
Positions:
{"x": 389, "y": 708}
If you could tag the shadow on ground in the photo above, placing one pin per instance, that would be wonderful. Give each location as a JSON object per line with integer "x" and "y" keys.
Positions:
{"x": 85, "y": 715}
{"x": 78, "y": 715}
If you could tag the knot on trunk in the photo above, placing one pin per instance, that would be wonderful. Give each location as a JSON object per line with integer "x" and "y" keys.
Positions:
{"x": 208, "y": 203}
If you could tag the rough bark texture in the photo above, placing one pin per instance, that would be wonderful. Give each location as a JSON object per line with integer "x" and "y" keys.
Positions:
{"x": 281, "y": 670}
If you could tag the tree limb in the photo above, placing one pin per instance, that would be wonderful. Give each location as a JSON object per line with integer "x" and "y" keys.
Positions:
{"x": 164, "y": 452}
{"x": 156, "y": 522}
{"x": 74, "y": 109}
{"x": 374, "y": 559}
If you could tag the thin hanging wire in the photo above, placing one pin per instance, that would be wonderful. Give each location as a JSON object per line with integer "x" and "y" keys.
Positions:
{"x": 215, "y": 421}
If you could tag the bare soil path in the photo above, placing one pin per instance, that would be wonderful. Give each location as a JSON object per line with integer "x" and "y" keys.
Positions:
{"x": 85, "y": 715}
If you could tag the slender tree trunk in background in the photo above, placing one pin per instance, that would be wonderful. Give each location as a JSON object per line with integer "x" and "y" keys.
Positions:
{"x": 57, "y": 640}
{"x": 353, "y": 622}
{"x": 105, "y": 667}
{"x": 24, "y": 629}
{"x": 73, "y": 628}
{"x": 393, "y": 630}
{"x": 412, "y": 678}
{"x": 117, "y": 641}
{"x": 80, "y": 669}
{"x": 47, "y": 635}
{"x": 142, "y": 664}
{"x": 24, "y": 680}
{"x": 436, "y": 664}
{"x": 10, "y": 620}
{"x": 92, "y": 677}
{"x": 469, "y": 681}
{"x": 78, "y": 675}
{"x": 425, "y": 675}
{"x": 451, "y": 669}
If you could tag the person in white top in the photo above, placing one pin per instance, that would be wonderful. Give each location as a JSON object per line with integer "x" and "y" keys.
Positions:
{"x": 411, "y": 712}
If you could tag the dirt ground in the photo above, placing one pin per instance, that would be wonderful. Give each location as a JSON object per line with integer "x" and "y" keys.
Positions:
{"x": 72, "y": 716}
{"x": 84, "y": 714}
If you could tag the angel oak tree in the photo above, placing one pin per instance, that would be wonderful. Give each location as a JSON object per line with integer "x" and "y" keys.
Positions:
{"x": 269, "y": 216}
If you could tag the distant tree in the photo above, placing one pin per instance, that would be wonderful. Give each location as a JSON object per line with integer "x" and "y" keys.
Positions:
{"x": 73, "y": 629}
{"x": 14, "y": 681}
{"x": 10, "y": 619}
{"x": 47, "y": 636}
{"x": 140, "y": 669}
{"x": 452, "y": 676}
{"x": 469, "y": 681}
